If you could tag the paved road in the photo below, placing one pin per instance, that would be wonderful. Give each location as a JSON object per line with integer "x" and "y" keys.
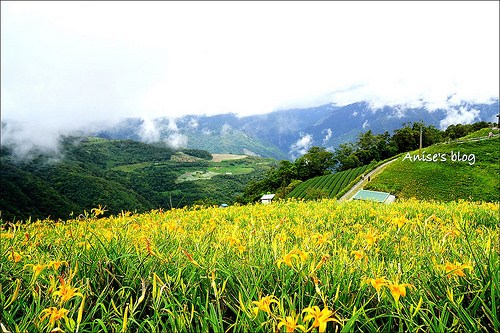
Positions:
{"x": 359, "y": 185}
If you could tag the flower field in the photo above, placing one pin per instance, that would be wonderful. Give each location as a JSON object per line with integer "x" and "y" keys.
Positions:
{"x": 289, "y": 266}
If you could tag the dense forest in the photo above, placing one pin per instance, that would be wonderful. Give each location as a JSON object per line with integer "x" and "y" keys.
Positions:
{"x": 122, "y": 175}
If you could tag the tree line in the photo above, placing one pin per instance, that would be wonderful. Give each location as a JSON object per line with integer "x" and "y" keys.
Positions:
{"x": 367, "y": 148}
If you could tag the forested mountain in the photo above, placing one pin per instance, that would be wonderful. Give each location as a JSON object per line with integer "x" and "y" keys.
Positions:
{"x": 118, "y": 174}
{"x": 287, "y": 134}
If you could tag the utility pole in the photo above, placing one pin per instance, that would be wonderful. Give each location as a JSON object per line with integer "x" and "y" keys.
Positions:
{"x": 420, "y": 145}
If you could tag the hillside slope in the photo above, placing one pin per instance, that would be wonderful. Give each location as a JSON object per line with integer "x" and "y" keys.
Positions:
{"x": 447, "y": 172}
{"x": 118, "y": 174}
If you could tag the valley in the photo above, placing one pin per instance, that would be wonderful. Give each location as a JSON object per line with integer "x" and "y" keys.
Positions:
{"x": 121, "y": 175}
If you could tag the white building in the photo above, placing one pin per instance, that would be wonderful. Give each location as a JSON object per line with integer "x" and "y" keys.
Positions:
{"x": 267, "y": 198}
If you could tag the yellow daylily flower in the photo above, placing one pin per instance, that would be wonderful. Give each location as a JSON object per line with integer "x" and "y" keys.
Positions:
{"x": 377, "y": 283}
{"x": 302, "y": 254}
{"x": 321, "y": 317}
{"x": 242, "y": 249}
{"x": 233, "y": 241}
{"x": 321, "y": 239}
{"x": 290, "y": 324}
{"x": 37, "y": 269}
{"x": 98, "y": 211}
{"x": 66, "y": 292}
{"x": 54, "y": 314}
{"x": 7, "y": 235}
{"x": 371, "y": 238}
{"x": 398, "y": 289}
{"x": 293, "y": 254}
{"x": 399, "y": 221}
{"x": 264, "y": 304}
{"x": 456, "y": 268}
{"x": 358, "y": 255}
{"x": 56, "y": 264}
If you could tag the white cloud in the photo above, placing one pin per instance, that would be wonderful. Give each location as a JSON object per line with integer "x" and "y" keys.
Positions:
{"x": 26, "y": 138}
{"x": 460, "y": 115}
{"x": 152, "y": 131}
{"x": 328, "y": 135}
{"x": 168, "y": 59}
{"x": 177, "y": 140}
{"x": 225, "y": 129}
{"x": 193, "y": 123}
{"x": 206, "y": 131}
{"x": 149, "y": 131}
{"x": 302, "y": 145}
{"x": 172, "y": 125}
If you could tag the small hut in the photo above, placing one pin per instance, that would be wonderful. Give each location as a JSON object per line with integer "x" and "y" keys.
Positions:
{"x": 267, "y": 198}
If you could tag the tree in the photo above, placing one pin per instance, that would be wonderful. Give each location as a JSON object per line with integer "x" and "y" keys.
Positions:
{"x": 286, "y": 172}
{"x": 342, "y": 153}
{"x": 405, "y": 139}
{"x": 385, "y": 146}
{"x": 316, "y": 162}
{"x": 352, "y": 161}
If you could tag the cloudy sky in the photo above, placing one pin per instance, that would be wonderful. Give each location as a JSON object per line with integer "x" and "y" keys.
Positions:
{"x": 79, "y": 62}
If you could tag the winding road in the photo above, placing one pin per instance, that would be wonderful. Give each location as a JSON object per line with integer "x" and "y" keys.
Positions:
{"x": 359, "y": 185}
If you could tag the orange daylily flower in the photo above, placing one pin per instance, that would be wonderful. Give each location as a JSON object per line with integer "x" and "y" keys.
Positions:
{"x": 15, "y": 256}
{"x": 358, "y": 254}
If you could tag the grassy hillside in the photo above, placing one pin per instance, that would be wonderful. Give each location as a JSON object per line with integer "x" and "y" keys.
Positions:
{"x": 235, "y": 142}
{"x": 411, "y": 266}
{"x": 120, "y": 174}
{"x": 475, "y": 176}
{"x": 328, "y": 186}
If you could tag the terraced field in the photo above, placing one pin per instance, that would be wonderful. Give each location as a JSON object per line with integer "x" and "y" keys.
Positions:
{"x": 329, "y": 185}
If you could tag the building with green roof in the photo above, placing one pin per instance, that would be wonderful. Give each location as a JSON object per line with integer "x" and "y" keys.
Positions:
{"x": 374, "y": 196}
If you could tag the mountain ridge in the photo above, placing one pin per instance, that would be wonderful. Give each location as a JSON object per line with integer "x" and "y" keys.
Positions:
{"x": 286, "y": 134}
